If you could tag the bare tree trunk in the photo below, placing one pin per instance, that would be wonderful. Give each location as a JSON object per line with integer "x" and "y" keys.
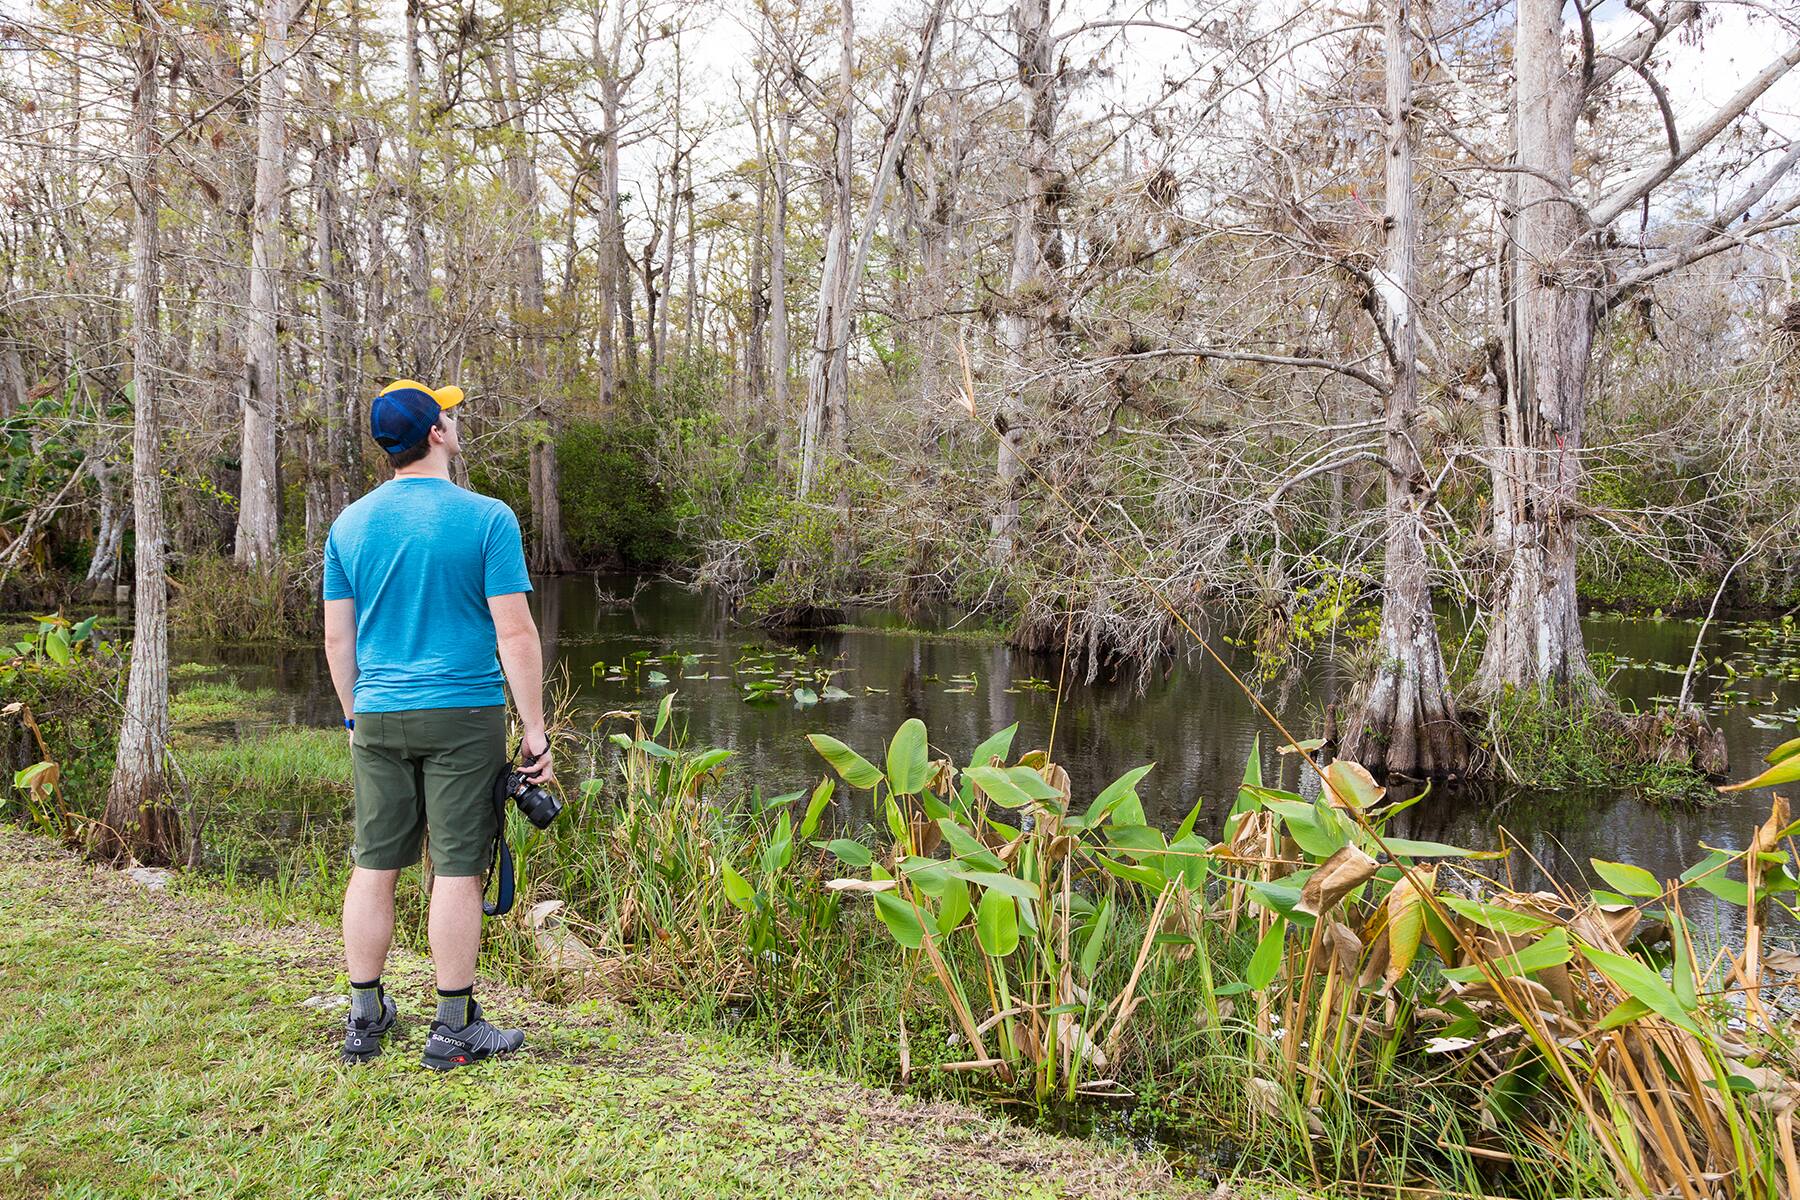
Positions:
{"x": 329, "y": 253}
{"x": 419, "y": 336}
{"x": 755, "y": 366}
{"x": 549, "y": 545}
{"x": 778, "y": 310}
{"x": 134, "y": 800}
{"x": 690, "y": 298}
{"x": 109, "y": 545}
{"x": 259, "y": 490}
{"x": 1033, "y": 270}
{"x": 828, "y": 384}
{"x": 614, "y": 281}
{"x": 1407, "y": 722}
{"x": 374, "y": 305}
{"x": 1550, "y": 277}
{"x": 828, "y": 376}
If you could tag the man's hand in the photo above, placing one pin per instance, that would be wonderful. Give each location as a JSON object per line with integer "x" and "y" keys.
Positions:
{"x": 534, "y": 755}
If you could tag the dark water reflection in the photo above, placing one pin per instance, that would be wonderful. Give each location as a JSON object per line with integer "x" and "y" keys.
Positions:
{"x": 1189, "y": 719}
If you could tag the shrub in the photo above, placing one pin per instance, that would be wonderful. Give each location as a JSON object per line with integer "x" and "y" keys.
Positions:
{"x": 216, "y": 600}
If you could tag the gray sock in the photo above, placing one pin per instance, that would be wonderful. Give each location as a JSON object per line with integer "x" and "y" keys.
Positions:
{"x": 365, "y": 1001}
{"x": 454, "y": 1007}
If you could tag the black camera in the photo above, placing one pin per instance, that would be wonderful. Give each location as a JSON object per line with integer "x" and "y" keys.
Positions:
{"x": 539, "y": 806}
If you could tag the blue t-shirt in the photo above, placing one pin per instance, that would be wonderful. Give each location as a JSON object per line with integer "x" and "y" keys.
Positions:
{"x": 420, "y": 557}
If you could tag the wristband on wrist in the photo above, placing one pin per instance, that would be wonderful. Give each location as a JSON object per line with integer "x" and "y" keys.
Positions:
{"x": 350, "y": 723}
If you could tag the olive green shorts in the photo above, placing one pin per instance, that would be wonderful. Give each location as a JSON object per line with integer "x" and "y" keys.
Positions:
{"x": 427, "y": 769}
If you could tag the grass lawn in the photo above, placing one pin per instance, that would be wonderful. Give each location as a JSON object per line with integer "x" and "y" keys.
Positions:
{"x": 170, "y": 1044}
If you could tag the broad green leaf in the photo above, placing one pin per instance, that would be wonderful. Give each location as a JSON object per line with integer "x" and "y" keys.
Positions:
{"x": 1148, "y": 878}
{"x": 997, "y": 924}
{"x": 662, "y": 714}
{"x": 706, "y": 760}
{"x": 1492, "y": 916}
{"x": 1188, "y": 857}
{"x": 1632, "y": 881}
{"x": 1135, "y": 840}
{"x": 1785, "y": 771}
{"x": 1709, "y": 876}
{"x": 896, "y": 820}
{"x": 738, "y": 889}
{"x": 998, "y": 746}
{"x": 805, "y": 697}
{"x": 1252, "y": 777}
{"x": 1186, "y": 828}
{"x": 909, "y": 759}
{"x": 953, "y": 905}
{"x": 856, "y": 770}
{"x": 998, "y": 881}
{"x": 997, "y": 786}
{"x": 1113, "y": 794}
{"x": 1624, "y": 1013}
{"x": 1283, "y": 897}
{"x": 901, "y": 920}
{"x": 1410, "y": 848}
{"x": 1548, "y": 951}
{"x": 1302, "y": 823}
{"x": 1267, "y": 959}
{"x": 653, "y": 749}
{"x": 1406, "y": 925}
{"x": 780, "y": 850}
{"x": 1681, "y": 971}
{"x": 967, "y": 848}
{"x": 57, "y": 646}
{"x": 1096, "y": 938}
{"x": 1787, "y": 749}
{"x": 1642, "y": 984}
{"x": 815, "y": 809}
{"x": 1352, "y": 784}
{"x": 1032, "y": 783}
{"x": 851, "y": 854}
{"x": 928, "y": 875}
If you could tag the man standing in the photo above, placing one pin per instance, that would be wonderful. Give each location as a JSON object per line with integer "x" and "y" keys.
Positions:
{"x": 424, "y": 582}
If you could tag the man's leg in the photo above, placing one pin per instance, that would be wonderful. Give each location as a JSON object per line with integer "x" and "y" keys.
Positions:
{"x": 468, "y": 747}
{"x": 455, "y": 930}
{"x": 369, "y": 921}
{"x": 390, "y": 821}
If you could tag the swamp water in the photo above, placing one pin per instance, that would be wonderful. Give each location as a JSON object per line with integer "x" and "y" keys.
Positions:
{"x": 758, "y": 695}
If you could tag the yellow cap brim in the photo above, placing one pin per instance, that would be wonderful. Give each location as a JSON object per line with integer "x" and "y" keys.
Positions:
{"x": 446, "y": 397}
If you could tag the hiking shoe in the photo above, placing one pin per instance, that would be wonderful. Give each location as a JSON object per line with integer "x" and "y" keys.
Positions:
{"x": 362, "y": 1037}
{"x": 449, "y": 1047}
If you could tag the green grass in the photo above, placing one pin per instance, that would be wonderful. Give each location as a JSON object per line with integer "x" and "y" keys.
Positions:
{"x": 157, "y": 1045}
{"x": 273, "y": 766}
{"x": 213, "y": 700}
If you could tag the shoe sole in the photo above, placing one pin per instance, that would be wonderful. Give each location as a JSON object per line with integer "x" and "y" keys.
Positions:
{"x": 361, "y": 1056}
{"x": 450, "y": 1064}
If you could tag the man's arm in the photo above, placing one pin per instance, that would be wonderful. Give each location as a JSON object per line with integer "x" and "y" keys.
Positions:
{"x": 522, "y": 658}
{"x": 340, "y": 651}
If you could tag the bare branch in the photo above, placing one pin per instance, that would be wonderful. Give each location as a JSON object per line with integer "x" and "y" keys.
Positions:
{"x": 1648, "y": 180}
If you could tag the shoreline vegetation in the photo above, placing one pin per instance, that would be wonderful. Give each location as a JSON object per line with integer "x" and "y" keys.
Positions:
{"x": 250, "y": 1098}
{"x": 1295, "y": 996}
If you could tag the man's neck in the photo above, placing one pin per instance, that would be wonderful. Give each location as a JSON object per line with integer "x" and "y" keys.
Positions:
{"x": 431, "y": 467}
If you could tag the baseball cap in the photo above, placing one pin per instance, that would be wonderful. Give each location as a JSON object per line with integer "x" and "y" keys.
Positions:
{"x": 403, "y": 414}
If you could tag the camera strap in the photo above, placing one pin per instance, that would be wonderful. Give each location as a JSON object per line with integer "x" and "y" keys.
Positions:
{"x": 501, "y": 860}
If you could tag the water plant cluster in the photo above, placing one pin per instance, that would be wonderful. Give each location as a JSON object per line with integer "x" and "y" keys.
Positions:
{"x": 1295, "y": 991}
{"x": 1298, "y": 989}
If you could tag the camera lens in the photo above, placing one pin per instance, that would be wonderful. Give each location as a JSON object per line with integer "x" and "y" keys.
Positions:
{"x": 539, "y": 806}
